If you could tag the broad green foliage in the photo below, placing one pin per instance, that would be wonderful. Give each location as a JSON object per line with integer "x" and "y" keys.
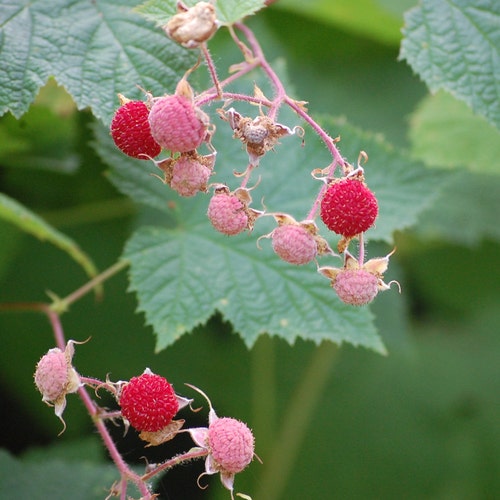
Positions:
{"x": 465, "y": 212}
{"x": 228, "y": 11}
{"x": 445, "y": 132}
{"x": 50, "y": 478}
{"x": 17, "y": 214}
{"x": 94, "y": 49}
{"x": 376, "y": 19}
{"x": 455, "y": 45}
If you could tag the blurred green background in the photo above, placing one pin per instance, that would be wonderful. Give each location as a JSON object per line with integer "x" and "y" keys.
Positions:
{"x": 329, "y": 422}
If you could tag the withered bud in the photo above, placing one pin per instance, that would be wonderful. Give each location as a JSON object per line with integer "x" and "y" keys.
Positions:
{"x": 192, "y": 26}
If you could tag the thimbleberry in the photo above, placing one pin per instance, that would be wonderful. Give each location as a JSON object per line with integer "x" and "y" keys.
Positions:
{"x": 231, "y": 444}
{"x": 131, "y": 132}
{"x": 356, "y": 286}
{"x": 176, "y": 124}
{"x": 227, "y": 213}
{"x": 148, "y": 402}
{"x": 189, "y": 176}
{"x": 294, "y": 244}
{"x": 348, "y": 207}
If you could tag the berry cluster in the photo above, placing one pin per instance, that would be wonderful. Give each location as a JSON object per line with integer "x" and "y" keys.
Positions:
{"x": 148, "y": 403}
{"x": 178, "y": 125}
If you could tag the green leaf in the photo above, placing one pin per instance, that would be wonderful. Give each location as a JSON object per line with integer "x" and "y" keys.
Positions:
{"x": 17, "y": 214}
{"x": 445, "y": 132}
{"x": 466, "y": 212}
{"x": 54, "y": 479}
{"x": 94, "y": 49}
{"x": 183, "y": 276}
{"x": 379, "y": 20}
{"x": 455, "y": 45}
{"x": 228, "y": 11}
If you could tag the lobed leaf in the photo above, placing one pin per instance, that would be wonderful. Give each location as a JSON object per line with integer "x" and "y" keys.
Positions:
{"x": 455, "y": 45}
{"x": 94, "y": 49}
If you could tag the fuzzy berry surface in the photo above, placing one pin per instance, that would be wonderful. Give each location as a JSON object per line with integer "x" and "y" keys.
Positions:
{"x": 349, "y": 207}
{"x": 51, "y": 375}
{"x": 176, "y": 125}
{"x": 231, "y": 444}
{"x": 356, "y": 287}
{"x": 131, "y": 132}
{"x": 189, "y": 177}
{"x": 294, "y": 244}
{"x": 227, "y": 214}
{"x": 148, "y": 402}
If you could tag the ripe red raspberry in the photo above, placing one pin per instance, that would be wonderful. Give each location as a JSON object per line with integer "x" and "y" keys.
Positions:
{"x": 176, "y": 124}
{"x": 148, "y": 402}
{"x": 131, "y": 131}
{"x": 189, "y": 176}
{"x": 231, "y": 444}
{"x": 294, "y": 244}
{"x": 356, "y": 286}
{"x": 227, "y": 213}
{"x": 349, "y": 207}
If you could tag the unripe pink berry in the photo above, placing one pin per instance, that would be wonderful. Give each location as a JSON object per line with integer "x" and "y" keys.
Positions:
{"x": 356, "y": 286}
{"x": 294, "y": 244}
{"x": 176, "y": 124}
{"x": 52, "y": 374}
{"x": 189, "y": 176}
{"x": 231, "y": 444}
{"x": 227, "y": 213}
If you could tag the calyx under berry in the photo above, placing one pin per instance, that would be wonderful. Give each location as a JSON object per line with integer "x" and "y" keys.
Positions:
{"x": 358, "y": 284}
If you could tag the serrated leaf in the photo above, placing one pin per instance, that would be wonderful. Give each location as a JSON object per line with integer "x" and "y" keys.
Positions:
{"x": 455, "y": 45}
{"x": 228, "y": 11}
{"x": 183, "y": 276}
{"x": 15, "y": 213}
{"x": 94, "y": 49}
{"x": 444, "y": 132}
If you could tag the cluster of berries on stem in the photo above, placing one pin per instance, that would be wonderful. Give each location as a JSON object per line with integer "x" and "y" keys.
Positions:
{"x": 148, "y": 404}
{"x": 177, "y": 125}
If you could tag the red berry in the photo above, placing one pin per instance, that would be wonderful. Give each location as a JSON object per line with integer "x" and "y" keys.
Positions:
{"x": 148, "y": 402}
{"x": 349, "y": 207}
{"x": 176, "y": 124}
{"x": 356, "y": 286}
{"x": 131, "y": 131}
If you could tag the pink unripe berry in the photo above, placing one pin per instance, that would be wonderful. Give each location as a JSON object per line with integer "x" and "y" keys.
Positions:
{"x": 52, "y": 374}
{"x": 131, "y": 131}
{"x": 356, "y": 286}
{"x": 231, "y": 444}
{"x": 348, "y": 207}
{"x": 148, "y": 402}
{"x": 294, "y": 244}
{"x": 189, "y": 176}
{"x": 176, "y": 124}
{"x": 227, "y": 213}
